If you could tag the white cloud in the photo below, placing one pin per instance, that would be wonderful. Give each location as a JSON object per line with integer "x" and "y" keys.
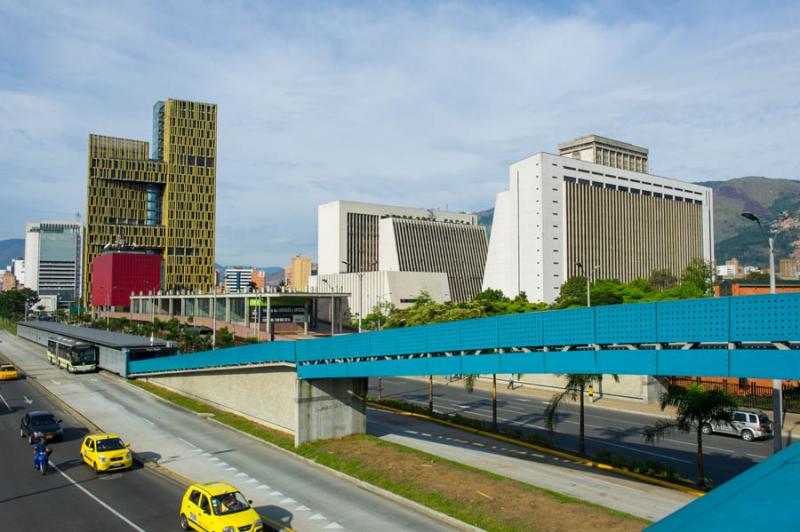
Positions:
{"x": 412, "y": 104}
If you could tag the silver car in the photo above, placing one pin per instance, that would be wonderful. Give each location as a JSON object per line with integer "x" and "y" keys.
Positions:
{"x": 747, "y": 424}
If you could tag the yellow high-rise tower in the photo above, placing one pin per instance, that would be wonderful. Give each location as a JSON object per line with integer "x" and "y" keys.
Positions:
{"x": 161, "y": 200}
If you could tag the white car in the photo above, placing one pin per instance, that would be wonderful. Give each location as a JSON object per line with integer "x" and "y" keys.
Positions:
{"x": 747, "y": 424}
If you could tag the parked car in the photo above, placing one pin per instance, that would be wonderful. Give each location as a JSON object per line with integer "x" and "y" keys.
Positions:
{"x": 218, "y": 506}
{"x": 747, "y": 424}
{"x": 105, "y": 452}
{"x": 8, "y": 372}
{"x": 40, "y": 424}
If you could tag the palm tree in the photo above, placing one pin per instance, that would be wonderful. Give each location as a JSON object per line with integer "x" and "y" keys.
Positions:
{"x": 695, "y": 406}
{"x": 575, "y": 387}
{"x": 469, "y": 384}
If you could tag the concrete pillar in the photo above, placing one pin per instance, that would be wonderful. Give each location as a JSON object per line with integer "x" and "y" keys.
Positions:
{"x": 171, "y": 306}
{"x": 330, "y": 408}
{"x": 305, "y": 317}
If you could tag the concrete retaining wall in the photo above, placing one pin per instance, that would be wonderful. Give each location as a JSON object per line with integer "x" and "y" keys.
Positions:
{"x": 274, "y": 396}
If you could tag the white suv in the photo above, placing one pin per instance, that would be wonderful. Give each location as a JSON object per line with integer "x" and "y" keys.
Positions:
{"x": 747, "y": 424}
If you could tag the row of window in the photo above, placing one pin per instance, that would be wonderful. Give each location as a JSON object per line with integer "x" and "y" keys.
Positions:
{"x": 633, "y": 180}
{"x": 631, "y": 190}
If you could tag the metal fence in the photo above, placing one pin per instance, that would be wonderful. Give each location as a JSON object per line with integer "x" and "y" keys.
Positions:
{"x": 747, "y": 393}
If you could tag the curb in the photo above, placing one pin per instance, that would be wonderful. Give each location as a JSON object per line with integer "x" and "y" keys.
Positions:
{"x": 366, "y": 486}
{"x": 545, "y": 450}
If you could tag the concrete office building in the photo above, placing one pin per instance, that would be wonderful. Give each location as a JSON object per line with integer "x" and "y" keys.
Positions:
{"x": 53, "y": 260}
{"x": 297, "y": 274}
{"x": 428, "y": 247}
{"x": 562, "y": 212}
{"x": 18, "y": 269}
{"x": 788, "y": 269}
{"x": 159, "y": 197}
{"x": 238, "y": 279}
{"x": 605, "y": 151}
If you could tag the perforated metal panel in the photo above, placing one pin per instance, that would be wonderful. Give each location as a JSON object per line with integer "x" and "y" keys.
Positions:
{"x": 345, "y": 346}
{"x": 703, "y": 362}
{"x": 621, "y": 324}
{"x": 694, "y": 320}
{"x": 569, "y": 362}
{"x": 319, "y": 371}
{"x": 479, "y": 334}
{"x": 234, "y": 356}
{"x": 569, "y": 327}
{"x": 442, "y": 337}
{"x": 408, "y": 340}
{"x": 765, "y": 318}
{"x": 520, "y": 330}
{"x": 766, "y": 364}
{"x": 633, "y": 362}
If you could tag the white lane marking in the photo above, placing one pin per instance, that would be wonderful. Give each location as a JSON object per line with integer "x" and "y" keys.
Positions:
{"x": 104, "y": 505}
{"x": 57, "y": 383}
{"x": 603, "y": 442}
{"x": 753, "y": 455}
{"x": 411, "y": 431}
{"x": 213, "y": 459}
{"x": 334, "y": 526}
{"x": 231, "y": 469}
{"x": 302, "y": 508}
{"x": 148, "y": 421}
{"x": 317, "y": 517}
{"x": 4, "y": 402}
{"x": 206, "y": 454}
{"x": 288, "y": 500}
{"x": 198, "y": 450}
{"x": 276, "y": 494}
{"x": 28, "y": 401}
{"x": 262, "y": 487}
{"x": 222, "y": 464}
{"x": 190, "y": 444}
{"x": 242, "y": 475}
{"x": 251, "y": 481}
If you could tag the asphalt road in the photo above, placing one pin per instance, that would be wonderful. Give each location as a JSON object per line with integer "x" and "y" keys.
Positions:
{"x": 616, "y": 431}
{"x": 282, "y": 486}
{"x": 72, "y": 496}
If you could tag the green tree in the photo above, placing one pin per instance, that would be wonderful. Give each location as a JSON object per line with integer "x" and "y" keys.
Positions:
{"x": 575, "y": 387}
{"x": 572, "y": 293}
{"x": 662, "y": 280}
{"x": 698, "y": 274}
{"x": 757, "y": 276}
{"x": 696, "y": 407}
{"x": 225, "y": 338}
{"x": 607, "y": 292}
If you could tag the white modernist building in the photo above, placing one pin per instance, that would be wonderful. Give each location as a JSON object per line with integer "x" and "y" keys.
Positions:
{"x": 238, "y": 280}
{"x": 383, "y": 253}
{"x": 564, "y": 216}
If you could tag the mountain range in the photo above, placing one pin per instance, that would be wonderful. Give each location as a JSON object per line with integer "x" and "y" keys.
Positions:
{"x": 13, "y": 248}
{"x": 735, "y": 236}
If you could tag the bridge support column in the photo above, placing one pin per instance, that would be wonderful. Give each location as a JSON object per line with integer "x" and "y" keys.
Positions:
{"x": 330, "y": 408}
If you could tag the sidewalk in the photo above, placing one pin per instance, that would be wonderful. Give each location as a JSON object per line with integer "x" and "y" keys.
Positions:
{"x": 791, "y": 421}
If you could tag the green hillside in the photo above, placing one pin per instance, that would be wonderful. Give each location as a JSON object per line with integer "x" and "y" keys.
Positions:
{"x": 12, "y": 248}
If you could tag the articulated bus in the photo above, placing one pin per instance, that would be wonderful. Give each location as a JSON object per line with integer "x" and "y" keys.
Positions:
{"x": 73, "y": 355}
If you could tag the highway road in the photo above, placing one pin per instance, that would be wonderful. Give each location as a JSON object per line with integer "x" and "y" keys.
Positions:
{"x": 72, "y": 494}
{"x": 612, "y": 430}
{"x": 282, "y": 486}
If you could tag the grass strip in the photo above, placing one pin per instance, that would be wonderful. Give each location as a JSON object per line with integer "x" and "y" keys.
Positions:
{"x": 474, "y": 496}
{"x": 9, "y": 325}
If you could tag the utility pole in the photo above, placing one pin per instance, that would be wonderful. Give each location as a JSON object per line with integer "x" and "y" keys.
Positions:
{"x": 214, "y": 318}
{"x": 777, "y": 384}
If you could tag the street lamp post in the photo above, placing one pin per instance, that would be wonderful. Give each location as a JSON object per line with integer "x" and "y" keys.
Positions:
{"x": 214, "y": 317}
{"x": 777, "y": 384}
{"x": 588, "y": 282}
{"x": 360, "y": 291}
{"x": 333, "y": 330}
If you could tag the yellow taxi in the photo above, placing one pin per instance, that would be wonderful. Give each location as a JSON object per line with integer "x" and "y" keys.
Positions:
{"x": 218, "y": 506}
{"x": 8, "y": 372}
{"x": 106, "y": 452}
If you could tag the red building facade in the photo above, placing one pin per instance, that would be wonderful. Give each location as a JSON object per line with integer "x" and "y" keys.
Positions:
{"x": 115, "y": 275}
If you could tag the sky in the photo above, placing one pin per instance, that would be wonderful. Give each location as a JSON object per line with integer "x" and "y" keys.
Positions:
{"x": 419, "y": 104}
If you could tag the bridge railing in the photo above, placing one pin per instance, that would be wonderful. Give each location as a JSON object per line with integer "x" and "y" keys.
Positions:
{"x": 716, "y": 322}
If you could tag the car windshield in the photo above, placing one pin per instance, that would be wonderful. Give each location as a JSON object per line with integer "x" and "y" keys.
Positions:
{"x": 110, "y": 444}
{"x": 39, "y": 421}
{"x": 6, "y": 367}
{"x": 229, "y": 503}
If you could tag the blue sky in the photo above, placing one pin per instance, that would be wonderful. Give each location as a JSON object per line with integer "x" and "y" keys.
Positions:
{"x": 411, "y": 103}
